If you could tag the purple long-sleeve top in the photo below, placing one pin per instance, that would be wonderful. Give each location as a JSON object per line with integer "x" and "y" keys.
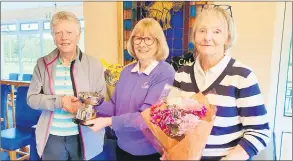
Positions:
{"x": 134, "y": 93}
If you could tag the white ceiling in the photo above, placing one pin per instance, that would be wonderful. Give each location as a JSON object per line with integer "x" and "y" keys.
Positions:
{"x": 8, "y": 6}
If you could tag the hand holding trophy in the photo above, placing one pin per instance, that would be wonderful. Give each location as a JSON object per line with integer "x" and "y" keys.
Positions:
{"x": 70, "y": 104}
{"x": 87, "y": 112}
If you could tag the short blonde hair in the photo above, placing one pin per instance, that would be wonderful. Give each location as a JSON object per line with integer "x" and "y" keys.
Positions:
{"x": 64, "y": 15}
{"x": 221, "y": 13}
{"x": 156, "y": 31}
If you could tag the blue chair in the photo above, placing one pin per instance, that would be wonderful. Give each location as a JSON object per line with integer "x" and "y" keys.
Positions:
{"x": 27, "y": 77}
{"x": 4, "y": 93}
{"x": 13, "y": 76}
{"x": 23, "y": 134}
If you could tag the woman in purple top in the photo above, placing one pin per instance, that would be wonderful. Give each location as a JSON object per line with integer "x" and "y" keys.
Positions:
{"x": 140, "y": 85}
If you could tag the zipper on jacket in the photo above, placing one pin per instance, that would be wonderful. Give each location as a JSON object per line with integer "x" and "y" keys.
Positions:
{"x": 72, "y": 78}
{"x": 51, "y": 91}
{"x": 75, "y": 94}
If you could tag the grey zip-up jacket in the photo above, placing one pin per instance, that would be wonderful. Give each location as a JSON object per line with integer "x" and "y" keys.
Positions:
{"x": 87, "y": 75}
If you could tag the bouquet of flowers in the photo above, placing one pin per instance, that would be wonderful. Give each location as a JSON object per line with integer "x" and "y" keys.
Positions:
{"x": 112, "y": 75}
{"x": 179, "y": 124}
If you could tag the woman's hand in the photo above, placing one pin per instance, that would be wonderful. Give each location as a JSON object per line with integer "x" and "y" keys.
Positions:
{"x": 164, "y": 156}
{"x": 238, "y": 153}
{"x": 70, "y": 104}
{"x": 99, "y": 123}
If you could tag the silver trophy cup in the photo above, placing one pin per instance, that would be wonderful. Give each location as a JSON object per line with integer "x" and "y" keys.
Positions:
{"x": 89, "y": 101}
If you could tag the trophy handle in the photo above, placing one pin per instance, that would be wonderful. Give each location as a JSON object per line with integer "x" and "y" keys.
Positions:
{"x": 90, "y": 125}
{"x": 94, "y": 115}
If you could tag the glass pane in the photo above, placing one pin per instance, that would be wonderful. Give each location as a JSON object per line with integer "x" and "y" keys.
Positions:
{"x": 47, "y": 25}
{"x": 288, "y": 96}
{"x": 48, "y": 43}
{"x": 29, "y": 26}
{"x": 81, "y": 41}
{"x": 30, "y": 50}
{"x": 82, "y": 24}
{"x": 8, "y": 28}
{"x": 9, "y": 50}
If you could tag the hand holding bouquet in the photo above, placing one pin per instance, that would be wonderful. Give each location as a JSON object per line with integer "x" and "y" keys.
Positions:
{"x": 180, "y": 123}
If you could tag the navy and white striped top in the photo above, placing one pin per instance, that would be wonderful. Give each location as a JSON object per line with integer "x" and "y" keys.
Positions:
{"x": 241, "y": 116}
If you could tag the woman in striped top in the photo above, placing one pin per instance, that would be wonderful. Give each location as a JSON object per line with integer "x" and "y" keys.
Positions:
{"x": 241, "y": 128}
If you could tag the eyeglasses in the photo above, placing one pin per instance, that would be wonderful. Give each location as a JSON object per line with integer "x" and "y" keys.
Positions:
{"x": 147, "y": 40}
{"x": 224, "y": 7}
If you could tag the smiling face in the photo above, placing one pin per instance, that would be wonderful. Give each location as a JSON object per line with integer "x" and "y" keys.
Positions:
{"x": 211, "y": 35}
{"x": 66, "y": 36}
{"x": 145, "y": 46}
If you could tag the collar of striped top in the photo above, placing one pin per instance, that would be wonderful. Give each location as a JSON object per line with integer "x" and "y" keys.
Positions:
{"x": 149, "y": 68}
{"x": 217, "y": 69}
{"x": 76, "y": 57}
{"x": 208, "y": 81}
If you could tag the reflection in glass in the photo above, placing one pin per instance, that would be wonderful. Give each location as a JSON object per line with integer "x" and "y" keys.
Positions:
{"x": 29, "y": 26}
{"x": 48, "y": 43}
{"x": 9, "y": 50}
{"x": 30, "y": 51}
{"x": 288, "y": 95}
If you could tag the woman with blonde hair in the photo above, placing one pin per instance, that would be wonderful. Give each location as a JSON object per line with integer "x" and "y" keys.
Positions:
{"x": 140, "y": 85}
{"x": 56, "y": 81}
{"x": 241, "y": 129}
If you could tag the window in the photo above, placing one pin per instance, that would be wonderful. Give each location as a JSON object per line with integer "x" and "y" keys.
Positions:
{"x": 29, "y": 26}
{"x": 8, "y": 28}
{"x": 282, "y": 71}
{"x": 48, "y": 43}
{"x": 288, "y": 95}
{"x": 30, "y": 49}
{"x": 9, "y": 51}
{"x": 81, "y": 41}
{"x": 22, "y": 43}
{"x": 46, "y": 25}
{"x": 82, "y": 24}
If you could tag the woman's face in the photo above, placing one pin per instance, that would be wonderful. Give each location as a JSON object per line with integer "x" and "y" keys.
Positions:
{"x": 211, "y": 35}
{"x": 145, "y": 46}
{"x": 66, "y": 36}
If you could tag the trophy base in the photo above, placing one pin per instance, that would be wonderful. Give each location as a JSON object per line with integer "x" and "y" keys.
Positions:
{"x": 80, "y": 122}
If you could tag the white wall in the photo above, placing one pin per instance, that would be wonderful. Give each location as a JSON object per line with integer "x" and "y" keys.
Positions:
{"x": 9, "y": 15}
{"x": 9, "y": 6}
{"x": 255, "y": 24}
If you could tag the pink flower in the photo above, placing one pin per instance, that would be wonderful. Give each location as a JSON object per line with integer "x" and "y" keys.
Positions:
{"x": 189, "y": 122}
{"x": 190, "y": 104}
{"x": 176, "y": 120}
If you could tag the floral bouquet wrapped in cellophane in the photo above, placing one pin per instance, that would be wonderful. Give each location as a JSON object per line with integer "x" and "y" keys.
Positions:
{"x": 179, "y": 124}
